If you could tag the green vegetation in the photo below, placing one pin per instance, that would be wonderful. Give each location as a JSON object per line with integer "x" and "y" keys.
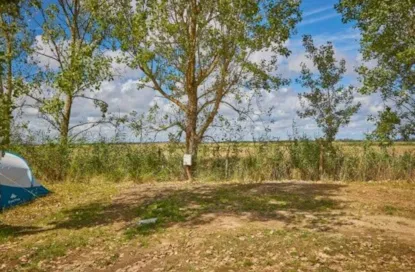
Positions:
{"x": 299, "y": 159}
{"x": 388, "y": 49}
{"x": 15, "y": 43}
{"x": 208, "y": 58}
{"x": 77, "y": 64}
{"x": 202, "y": 60}
{"x": 328, "y": 102}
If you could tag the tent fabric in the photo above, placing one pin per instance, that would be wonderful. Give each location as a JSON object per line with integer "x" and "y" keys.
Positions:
{"x": 17, "y": 184}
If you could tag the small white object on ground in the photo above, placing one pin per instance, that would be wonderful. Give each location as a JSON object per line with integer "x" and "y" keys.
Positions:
{"x": 147, "y": 221}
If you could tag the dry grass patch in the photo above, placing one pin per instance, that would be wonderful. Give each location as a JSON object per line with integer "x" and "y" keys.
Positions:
{"x": 271, "y": 226}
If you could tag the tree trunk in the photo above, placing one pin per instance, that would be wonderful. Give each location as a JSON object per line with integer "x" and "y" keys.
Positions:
{"x": 192, "y": 144}
{"x": 66, "y": 114}
{"x": 6, "y": 126}
{"x": 7, "y": 96}
{"x": 321, "y": 162}
{"x": 2, "y": 106}
{"x": 5, "y": 119}
{"x": 192, "y": 139}
{"x": 66, "y": 120}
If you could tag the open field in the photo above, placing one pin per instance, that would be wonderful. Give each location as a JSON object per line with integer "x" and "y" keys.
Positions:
{"x": 229, "y": 226}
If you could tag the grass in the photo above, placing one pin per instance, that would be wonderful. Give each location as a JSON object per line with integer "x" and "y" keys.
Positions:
{"x": 40, "y": 214}
{"x": 183, "y": 206}
{"x": 390, "y": 210}
{"x": 355, "y": 161}
{"x": 273, "y": 226}
{"x": 301, "y": 250}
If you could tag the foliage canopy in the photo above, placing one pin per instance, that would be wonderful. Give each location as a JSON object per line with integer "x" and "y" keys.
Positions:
{"x": 200, "y": 55}
{"x": 388, "y": 39}
{"x": 328, "y": 102}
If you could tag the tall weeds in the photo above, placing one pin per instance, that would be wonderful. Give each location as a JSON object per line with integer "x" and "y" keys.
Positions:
{"x": 299, "y": 159}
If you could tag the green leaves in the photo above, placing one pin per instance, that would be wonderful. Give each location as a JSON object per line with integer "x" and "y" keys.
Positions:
{"x": 73, "y": 39}
{"x": 386, "y": 126}
{"x": 14, "y": 40}
{"x": 197, "y": 53}
{"x": 328, "y": 102}
{"x": 388, "y": 31}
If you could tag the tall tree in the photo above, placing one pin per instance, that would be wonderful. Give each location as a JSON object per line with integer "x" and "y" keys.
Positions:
{"x": 328, "y": 102}
{"x": 14, "y": 41}
{"x": 199, "y": 54}
{"x": 388, "y": 39}
{"x": 72, "y": 62}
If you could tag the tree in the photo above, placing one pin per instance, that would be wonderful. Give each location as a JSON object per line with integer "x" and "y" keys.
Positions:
{"x": 388, "y": 31}
{"x": 329, "y": 103}
{"x": 386, "y": 124}
{"x": 72, "y": 45}
{"x": 198, "y": 54}
{"x": 14, "y": 41}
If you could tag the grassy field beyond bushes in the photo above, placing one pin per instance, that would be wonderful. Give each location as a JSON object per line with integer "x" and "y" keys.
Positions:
{"x": 355, "y": 161}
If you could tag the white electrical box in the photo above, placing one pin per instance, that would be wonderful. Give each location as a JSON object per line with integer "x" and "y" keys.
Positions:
{"x": 187, "y": 160}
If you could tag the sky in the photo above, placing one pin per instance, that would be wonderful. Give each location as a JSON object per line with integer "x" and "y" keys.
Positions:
{"x": 319, "y": 20}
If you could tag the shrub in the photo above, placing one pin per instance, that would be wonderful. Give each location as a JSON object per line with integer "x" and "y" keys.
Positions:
{"x": 300, "y": 159}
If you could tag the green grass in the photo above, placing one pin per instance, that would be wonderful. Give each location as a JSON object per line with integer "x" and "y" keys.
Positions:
{"x": 355, "y": 161}
{"x": 5, "y": 233}
{"x": 41, "y": 227}
{"x": 390, "y": 210}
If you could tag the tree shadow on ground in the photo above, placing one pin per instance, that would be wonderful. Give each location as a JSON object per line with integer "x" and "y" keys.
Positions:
{"x": 13, "y": 230}
{"x": 201, "y": 204}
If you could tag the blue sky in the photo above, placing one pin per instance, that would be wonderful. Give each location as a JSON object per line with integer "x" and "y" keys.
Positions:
{"x": 320, "y": 20}
{"x": 320, "y": 17}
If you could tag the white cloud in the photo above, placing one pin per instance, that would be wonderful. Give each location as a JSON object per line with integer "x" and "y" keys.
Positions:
{"x": 32, "y": 112}
{"x": 318, "y": 19}
{"x": 316, "y": 11}
{"x": 120, "y": 68}
{"x": 369, "y": 64}
{"x": 123, "y": 96}
{"x": 44, "y": 56}
{"x": 294, "y": 63}
{"x": 295, "y": 60}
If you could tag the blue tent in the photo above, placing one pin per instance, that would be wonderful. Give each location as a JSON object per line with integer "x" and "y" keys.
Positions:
{"x": 17, "y": 184}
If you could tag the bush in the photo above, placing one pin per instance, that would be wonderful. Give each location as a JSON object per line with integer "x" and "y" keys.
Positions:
{"x": 300, "y": 159}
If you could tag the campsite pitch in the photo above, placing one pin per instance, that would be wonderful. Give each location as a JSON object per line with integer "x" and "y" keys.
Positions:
{"x": 271, "y": 226}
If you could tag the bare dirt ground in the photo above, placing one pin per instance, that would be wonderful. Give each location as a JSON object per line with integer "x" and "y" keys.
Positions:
{"x": 271, "y": 226}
